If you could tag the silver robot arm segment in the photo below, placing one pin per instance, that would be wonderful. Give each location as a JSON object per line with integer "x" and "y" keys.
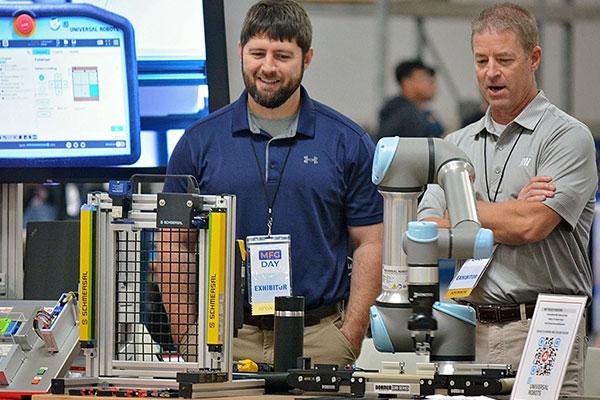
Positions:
{"x": 407, "y": 313}
{"x": 466, "y": 238}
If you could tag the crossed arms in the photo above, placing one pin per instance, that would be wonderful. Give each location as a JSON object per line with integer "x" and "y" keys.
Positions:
{"x": 517, "y": 222}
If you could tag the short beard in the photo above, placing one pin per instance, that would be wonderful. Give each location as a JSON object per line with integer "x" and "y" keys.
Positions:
{"x": 272, "y": 100}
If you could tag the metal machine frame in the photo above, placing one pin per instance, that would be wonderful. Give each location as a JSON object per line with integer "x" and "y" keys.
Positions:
{"x": 105, "y": 363}
{"x": 143, "y": 216}
{"x": 11, "y": 241}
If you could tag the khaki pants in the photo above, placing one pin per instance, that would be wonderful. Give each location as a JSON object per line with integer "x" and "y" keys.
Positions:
{"x": 323, "y": 343}
{"x": 503, "y": 343}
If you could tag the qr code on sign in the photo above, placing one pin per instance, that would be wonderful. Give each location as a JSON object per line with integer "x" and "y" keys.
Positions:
{"x": 545, "y": 356}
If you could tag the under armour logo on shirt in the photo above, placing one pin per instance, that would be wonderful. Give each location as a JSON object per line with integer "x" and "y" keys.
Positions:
{"x": 314, "y": 160}
{"x": 525, "y": 162}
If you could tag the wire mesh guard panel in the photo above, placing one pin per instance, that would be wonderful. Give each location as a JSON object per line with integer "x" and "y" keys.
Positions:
{"x": 156, "y": 295}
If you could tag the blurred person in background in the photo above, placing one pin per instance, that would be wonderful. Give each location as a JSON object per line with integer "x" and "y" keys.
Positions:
{"x": 406, "y": 115}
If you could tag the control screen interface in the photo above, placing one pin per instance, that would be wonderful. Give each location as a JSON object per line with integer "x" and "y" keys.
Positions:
{"x": 63, "y": 93}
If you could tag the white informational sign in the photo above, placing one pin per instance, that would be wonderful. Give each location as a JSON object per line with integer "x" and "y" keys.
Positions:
{"x": 548, "y": 347}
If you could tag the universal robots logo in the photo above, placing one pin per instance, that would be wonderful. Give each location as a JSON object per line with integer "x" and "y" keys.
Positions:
{"x": 525, "y": 162}
{"x": 55, "y": 24}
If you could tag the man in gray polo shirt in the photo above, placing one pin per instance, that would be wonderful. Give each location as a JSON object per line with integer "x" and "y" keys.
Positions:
{"x": 535, "y": 186}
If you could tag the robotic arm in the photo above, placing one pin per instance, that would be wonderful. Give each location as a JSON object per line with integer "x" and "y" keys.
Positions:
{"x": 402, "y": 168}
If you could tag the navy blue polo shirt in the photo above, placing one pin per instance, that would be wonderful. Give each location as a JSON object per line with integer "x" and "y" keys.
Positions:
{"x": 325, "y": 173}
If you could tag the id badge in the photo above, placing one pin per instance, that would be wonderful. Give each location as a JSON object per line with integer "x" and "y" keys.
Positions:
{"x": 268, "y": 271}
{"x": 468, "y": 277}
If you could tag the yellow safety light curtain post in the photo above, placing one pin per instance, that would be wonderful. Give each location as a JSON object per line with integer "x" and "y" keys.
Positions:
{"x": 217, "y": 229}
{"x": 86, "y": 275}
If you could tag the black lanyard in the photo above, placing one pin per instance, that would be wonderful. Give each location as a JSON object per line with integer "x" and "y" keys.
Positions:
{"x": 487, "y": 185}
{"x": 264, "y": 184}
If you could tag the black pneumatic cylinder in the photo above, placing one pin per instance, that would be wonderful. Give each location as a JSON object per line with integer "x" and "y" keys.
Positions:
{"x": 288, "y": 332}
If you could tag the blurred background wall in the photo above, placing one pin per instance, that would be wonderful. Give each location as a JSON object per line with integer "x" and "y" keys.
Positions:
{"x": 347, "y": 42}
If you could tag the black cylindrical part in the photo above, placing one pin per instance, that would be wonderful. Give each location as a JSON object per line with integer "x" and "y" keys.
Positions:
{"x": 288, "y": 332}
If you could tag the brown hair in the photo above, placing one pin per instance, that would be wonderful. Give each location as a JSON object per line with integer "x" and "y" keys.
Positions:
{"x": 278, "y": 20}
{"x": 508, "y": 17}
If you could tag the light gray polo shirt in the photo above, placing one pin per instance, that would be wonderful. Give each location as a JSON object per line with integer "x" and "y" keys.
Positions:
{"x": 544, "y": 141}
{"x": 277, "y": 128}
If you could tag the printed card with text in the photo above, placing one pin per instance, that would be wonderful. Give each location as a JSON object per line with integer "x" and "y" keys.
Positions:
{"x": 548, "y": 347}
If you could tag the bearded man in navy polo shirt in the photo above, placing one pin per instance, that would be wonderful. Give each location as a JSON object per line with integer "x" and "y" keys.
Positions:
{"x": 297, "y": 168}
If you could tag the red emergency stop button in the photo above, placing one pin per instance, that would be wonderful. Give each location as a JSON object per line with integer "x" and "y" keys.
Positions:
{"x": 24, "y": 25}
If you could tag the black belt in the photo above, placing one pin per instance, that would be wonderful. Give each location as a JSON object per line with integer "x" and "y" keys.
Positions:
{"x": 490, "y": 313}
{"x": 311, "y": 317}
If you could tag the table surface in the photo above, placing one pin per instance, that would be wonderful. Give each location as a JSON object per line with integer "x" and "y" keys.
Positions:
{"x": 254, "y": 397}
